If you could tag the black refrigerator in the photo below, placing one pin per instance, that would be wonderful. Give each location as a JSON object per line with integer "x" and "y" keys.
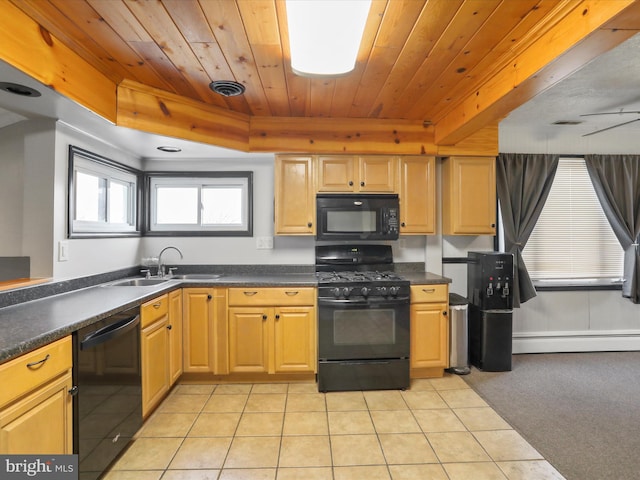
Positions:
{"x": 490, "y": 294}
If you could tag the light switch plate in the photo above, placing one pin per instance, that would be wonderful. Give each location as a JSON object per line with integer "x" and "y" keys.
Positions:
{"x": 63, "y": 251}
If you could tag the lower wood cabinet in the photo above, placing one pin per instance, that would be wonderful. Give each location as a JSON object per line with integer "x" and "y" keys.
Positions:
{"x": 205, "y": 330}
{"x": 429, "y": 330}
{"x": 160, "y": 340}
{"x": 272, "y": 330}
{"x": 36, "y": 407}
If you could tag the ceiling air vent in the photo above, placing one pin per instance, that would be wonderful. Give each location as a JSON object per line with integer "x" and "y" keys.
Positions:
{"x": 567, "y": 122}
{"x": 227, "y": 88}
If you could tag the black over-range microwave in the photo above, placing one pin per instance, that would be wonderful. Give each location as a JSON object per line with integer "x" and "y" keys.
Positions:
{"x": 357, "y": 217}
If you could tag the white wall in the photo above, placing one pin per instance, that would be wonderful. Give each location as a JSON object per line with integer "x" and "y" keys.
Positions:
{"x": 287, "y": 250}
{"x": 87, "y": 256}
{"x": 11, "y": 189}
{"x": 556, "y": 321}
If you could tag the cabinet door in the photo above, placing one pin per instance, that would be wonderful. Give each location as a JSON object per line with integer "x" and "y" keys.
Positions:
{"x": 295, "y": 205}
{"x": 155, "y": 364}
{"x": 295, "y": 339}
{"x": 175, "y": 336}
{"x": 376, "y": 174}
{"x": 249, "y": 339}
{"x": 197, "y": 329}
{"x": 429, "y": 335}
{"x": 469, "y": 185}
{"x": 417, "y": 195}
{"x": 337, "y": 173}
{"x": 40, "y": 423}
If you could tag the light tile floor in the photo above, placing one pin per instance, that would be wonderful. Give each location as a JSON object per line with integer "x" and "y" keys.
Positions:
{"x": 439, "y": 429}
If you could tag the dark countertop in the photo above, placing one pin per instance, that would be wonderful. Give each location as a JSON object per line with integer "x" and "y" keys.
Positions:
{"x": 32, "y": 324}
{"x": 425, "y": 278}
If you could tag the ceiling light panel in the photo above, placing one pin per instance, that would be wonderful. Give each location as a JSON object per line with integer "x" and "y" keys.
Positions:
{"x": 325, "y": 35}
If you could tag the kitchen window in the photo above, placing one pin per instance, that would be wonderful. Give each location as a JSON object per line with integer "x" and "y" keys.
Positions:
{"x": 102, "y": 196}
{"x": 572, "y": 242}
{"x": 211, "y": 203}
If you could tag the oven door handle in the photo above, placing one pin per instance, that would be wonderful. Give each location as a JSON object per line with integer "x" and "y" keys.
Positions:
{"x": 370, "y": 301}
{"x": 110, "y": 332}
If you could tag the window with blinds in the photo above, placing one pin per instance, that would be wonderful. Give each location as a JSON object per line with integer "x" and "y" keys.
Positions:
{"x": 572, "y": 238}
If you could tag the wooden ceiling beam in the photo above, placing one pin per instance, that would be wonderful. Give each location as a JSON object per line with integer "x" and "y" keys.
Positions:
{"x": 590, "y": 29}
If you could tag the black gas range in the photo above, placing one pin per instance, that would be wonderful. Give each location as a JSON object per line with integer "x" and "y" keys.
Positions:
{"x": 363, "y": 319}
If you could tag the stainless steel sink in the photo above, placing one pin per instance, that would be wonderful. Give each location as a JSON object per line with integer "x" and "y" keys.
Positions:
{"x": 197, "y": 276}
{"x": 137, "y": 282}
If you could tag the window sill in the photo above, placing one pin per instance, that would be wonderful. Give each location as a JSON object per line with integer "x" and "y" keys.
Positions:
{"x": 573, "y": 284}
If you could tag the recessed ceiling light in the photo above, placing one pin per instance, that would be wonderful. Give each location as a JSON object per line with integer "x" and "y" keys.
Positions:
{"x": 18, "y": 89}
{"x": 567, "y": 122}
{"x": 170, "y": 149}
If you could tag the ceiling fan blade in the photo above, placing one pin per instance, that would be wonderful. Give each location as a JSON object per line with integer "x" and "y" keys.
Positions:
{"x": 609, "y": 128}
{"x": 610, "y": 113}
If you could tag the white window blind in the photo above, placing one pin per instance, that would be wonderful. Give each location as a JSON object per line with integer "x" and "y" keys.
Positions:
{"x": 572, "y": 238}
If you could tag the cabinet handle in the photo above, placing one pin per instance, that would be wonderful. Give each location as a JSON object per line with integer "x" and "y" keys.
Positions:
{"x": 278, "y": 316}
{"x": 169, "y": 327}
{"x": 309, "y": 224}
{"x": 249, "y": 294}
{"x": 73, "y": 391}
{"x": 39, "y": 362}
{"x": 209, "y": 297}
{"x": 493, "y": 225}
{"x": 444, "y": 313}
{"x": 428, "y": 290}
{"x": 403, "y": 224}
{"x": 292, "y": 294}
{"x": 264, "y": 317}
{"x": 350, "y": 183}
{"x": 157, "y": 305}
{"x": 362, "y": 184}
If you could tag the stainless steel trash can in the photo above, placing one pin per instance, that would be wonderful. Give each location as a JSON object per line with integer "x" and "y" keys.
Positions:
{"x": 459, "y": 334}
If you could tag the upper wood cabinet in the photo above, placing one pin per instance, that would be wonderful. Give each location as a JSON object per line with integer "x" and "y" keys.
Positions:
{"x": 469, "y": 196}
{"x": 417, "y": 193}
{"x": 345, "y": 173}
{"x": 295, "y": 200}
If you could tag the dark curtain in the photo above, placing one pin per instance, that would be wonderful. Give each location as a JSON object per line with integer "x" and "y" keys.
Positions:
{"x": 523, "y": 183}
{"x": 616, "y": 179}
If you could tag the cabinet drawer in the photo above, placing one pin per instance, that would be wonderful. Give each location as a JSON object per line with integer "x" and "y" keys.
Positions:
{"x": 272, "y": 296}
{"x": 153, "y": 310}
{"x": 429, "y": 293}
{"x": 23, "y": 374}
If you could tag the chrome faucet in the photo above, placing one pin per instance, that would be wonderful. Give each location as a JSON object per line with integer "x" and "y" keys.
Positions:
{"x": 161, "y": 272}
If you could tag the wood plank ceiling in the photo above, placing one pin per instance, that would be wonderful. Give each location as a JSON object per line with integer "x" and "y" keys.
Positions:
{"x": 418, "y": 61}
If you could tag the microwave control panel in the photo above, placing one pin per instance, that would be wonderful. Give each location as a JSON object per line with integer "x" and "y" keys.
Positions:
{"x": 391, "y": 221}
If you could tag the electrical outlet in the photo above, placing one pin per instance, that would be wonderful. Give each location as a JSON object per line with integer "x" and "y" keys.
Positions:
{"x": 264, "y": 243}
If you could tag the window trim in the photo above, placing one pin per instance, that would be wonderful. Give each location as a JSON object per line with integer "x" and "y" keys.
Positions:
{"x": 105, "y": 165}
{"x": 148, "y": 176}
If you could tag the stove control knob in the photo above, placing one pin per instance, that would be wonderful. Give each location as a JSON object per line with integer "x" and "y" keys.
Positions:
{"x": 336, "y": 292}
{"x": 365, "y": 291}
{"x": 346, "y": 291}
{"x": 394, "y": 291}
{"x": 383, "y": 290}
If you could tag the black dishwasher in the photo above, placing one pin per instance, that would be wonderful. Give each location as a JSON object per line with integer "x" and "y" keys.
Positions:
{"x": 108, "y": 403}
